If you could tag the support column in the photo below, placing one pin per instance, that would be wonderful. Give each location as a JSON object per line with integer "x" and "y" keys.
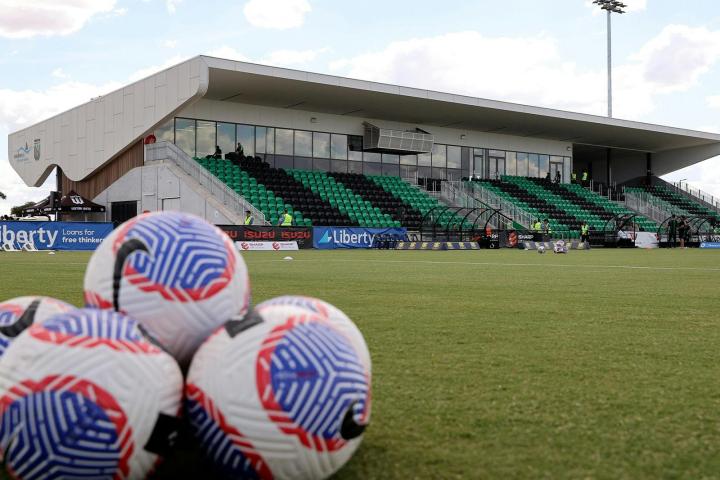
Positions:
{"x": 608, "y": 168}
{"x": 648, "y": 168}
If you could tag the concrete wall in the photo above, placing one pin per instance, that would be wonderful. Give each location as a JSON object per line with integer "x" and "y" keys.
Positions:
{"x": 233, "y": 112}
{"x": 85, "y": 138}
{"x": 160, "y": 187}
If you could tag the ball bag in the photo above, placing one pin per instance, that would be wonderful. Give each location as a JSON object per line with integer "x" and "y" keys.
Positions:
{"x": 283, "y": 392}
{"x": 87, "y": 395}
{"x": 18, "y": 314}
{"x": 175, "y": 273}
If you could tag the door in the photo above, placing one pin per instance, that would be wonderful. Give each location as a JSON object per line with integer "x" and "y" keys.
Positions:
{"x": 554, "y": 168}
{"x": 497, "y": 167}
{"x": 122, "y": 211}
{"x": 479, "y": 166}
{"x": 171, "y": 204}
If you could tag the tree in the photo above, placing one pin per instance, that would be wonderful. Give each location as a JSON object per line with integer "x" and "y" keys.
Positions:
{"x": 18, "y": 211}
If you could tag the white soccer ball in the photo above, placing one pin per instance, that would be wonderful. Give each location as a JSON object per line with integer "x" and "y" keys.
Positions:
{"x": 178, "y": 275}
{"x": 541, "y": 249}
{"x": 17, "y": 314}
{"x": 87, "y": 394}
{"x": 283, "y": 392}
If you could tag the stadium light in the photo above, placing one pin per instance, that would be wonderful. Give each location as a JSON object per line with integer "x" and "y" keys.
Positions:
{"x": 611, "y": 6}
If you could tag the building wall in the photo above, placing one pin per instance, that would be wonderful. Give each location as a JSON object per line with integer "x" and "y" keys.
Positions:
{"x": 234, "y": 112}
{"x": 85, "y": 138}
{"x": 93, "y": 185}
{"x": 158, "y": 187}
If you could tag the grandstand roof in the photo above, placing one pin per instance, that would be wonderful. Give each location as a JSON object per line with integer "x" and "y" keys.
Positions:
{"x": 85, "y": 138}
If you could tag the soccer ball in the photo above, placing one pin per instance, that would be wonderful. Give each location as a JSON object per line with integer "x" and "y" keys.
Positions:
{"x": 560, "y": 247}
{"x": 19, "y": 313}
{"x": 541, "y": 249}
{"x": 178, "y": 275}
{"x": 87, "y": 394}
{"x": 283, "y": 392}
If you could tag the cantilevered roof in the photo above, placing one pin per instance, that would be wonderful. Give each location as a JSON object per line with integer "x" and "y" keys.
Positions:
{"x": 243, "y": 82}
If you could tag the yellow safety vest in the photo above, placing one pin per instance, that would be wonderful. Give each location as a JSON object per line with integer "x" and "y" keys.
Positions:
{"x": 585, "y": 175}
{"x": 248, "y": 220}
{"x": 287, "y": 220}
{"x": 584, "y": 229}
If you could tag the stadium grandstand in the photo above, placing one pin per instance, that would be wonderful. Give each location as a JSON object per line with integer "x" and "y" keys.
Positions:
{"x": 344, "y": 152}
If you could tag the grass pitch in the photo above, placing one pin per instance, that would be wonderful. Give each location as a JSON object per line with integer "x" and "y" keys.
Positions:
{"x": 507, "y": 364}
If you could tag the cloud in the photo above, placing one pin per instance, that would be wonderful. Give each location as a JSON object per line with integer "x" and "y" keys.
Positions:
{"x": 170, "y": 43}
{"x": 147, "y": 71}
{"x": 292, "y": 57}
{"x": 24, "y": 18}
{"x": 59, "y": 73}
{"x": 714, "y": 101}
{"x": 171, "y": 5}
{"x": 672, "y": 61}
{"x": 276, "y": 14}
{"x": 704, "y": 175}
{"x": 228, "y": 53}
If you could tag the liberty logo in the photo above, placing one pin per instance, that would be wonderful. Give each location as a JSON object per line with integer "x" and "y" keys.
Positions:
{"x": 36, "y": 149}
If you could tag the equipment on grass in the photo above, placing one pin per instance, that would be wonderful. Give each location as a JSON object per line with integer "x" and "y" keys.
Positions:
{"x": 560, "y": 247}
{"x": 283, "y": 392}
{"x": 541, "y": 249}
{"x": 87, "y": 395}
{"x": 18, "y": 314}
{"x": 178, "y": 275}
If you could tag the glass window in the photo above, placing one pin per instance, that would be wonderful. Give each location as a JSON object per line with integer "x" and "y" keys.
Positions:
{"x": 303, "y": 143}
{"x": 567, "y": 169}
{"x": 408, "y": 159}
{"x": 355, "y": 167}
{"x": 453, "y": 157}
{"x": 454, "y": 174}
{"x": 439, "y": 156}
{"x": 164, "y": 132}
{"x": 246, "y": 138}
{"x": 390, "y": 158}
{"x": 321, "y": 164}
{"x": 338, "y": 146}
{"x": 510, "y": 164}
{"x": 205, "y": 138}
{"x": 283, "y": 161}
{"x": 438, "y": 173}
{"x": 423, "y": 159}
{"x": 390, "y": 170}
{"x": 185, "y": 135}
{"x": 226, "y": 137}
{"x": 260, "y": 141}
{"x": 339, "y": 166}
{"x": 270, "y": 140}
{"x": 370, "y": 168}
{"x": 355, "y": 143}
{"x": 522, "y": 164}
{"x": 408, "y": 171}
{"x": 371, "y": 157}
{"x": 303, "y": 163}
{"x": 466, "y": 151}
{"x": 533, "y": 164}
{"x": 545, "y": 165}
{"x": 270, "y": 160}
{"x": 321, "y": 145}
{"x": 283, "y": 141}
{"x": 424, "y": 172}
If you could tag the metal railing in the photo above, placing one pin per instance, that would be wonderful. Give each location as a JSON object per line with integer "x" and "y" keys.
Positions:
{"x": 641, "y": 204}
{"x": 484, "y": 195}
{"x": 696, "y": 195}
{"x": 454, "y": 194}
{"x": 165, "y": 151}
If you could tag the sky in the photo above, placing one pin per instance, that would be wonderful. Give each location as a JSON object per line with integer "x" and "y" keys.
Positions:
{"x": 57, "y": 54}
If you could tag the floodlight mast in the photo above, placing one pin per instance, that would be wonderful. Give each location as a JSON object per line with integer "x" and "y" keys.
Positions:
{"x": 611, "y": 6}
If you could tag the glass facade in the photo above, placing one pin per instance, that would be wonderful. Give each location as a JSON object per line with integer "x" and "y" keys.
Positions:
{"x": 287, "y": 148}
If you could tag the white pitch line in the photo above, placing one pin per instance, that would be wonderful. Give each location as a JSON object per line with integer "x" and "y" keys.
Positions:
{"x": 498, "y": 264}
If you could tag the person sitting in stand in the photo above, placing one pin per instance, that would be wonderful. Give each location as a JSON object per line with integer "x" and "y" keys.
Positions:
{"x": 239, "y": 150}
{"x": 285, "y": 220}
{"x": 557, "y": 176}
{"x": 218, "y": 153}
{"x": 547, "y": 176}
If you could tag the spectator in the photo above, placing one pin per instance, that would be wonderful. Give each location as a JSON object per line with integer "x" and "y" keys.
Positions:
{"x": 218, "y": 152}
{"x": 249, "y": 220}
{"x": 547, "y": 176}
{"x": 285, "y": 220}
{"x": 672, "y": 231}
{"x": 557, "y": 176}
{"x": 239, "y": 150}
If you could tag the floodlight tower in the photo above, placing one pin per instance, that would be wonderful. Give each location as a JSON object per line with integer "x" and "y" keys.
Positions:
{"x": 611, "y": 6}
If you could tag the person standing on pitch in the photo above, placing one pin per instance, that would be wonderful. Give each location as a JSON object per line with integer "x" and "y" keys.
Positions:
{"x": 248, "y": 218}
{"x": 546, "y": 230}
{"x": 286, "y": 220}
{"x": 672, "y": 231}
{"x": 585, "y": 233}
{"x": 684, "y": 232}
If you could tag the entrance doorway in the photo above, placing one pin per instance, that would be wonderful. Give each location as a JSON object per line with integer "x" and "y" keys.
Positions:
{"x": 122, "y": 211}
{"x": 497, "y": 167}
{"x": 554, "y": 168}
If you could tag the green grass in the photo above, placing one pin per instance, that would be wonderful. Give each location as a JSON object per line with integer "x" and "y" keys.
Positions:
{"x": 508, "y": 364}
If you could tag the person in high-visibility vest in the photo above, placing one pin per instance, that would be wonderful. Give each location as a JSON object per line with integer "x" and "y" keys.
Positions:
{"x": 584, "y": 177}
{"x": 248, "y": 218}
{"x": 584, "y": 232}
{"x": 286, "y": 219}
{"x": 574, "y": 177}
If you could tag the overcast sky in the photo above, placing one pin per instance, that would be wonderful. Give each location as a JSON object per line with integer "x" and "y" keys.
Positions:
{"x": 56, "y": 54}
